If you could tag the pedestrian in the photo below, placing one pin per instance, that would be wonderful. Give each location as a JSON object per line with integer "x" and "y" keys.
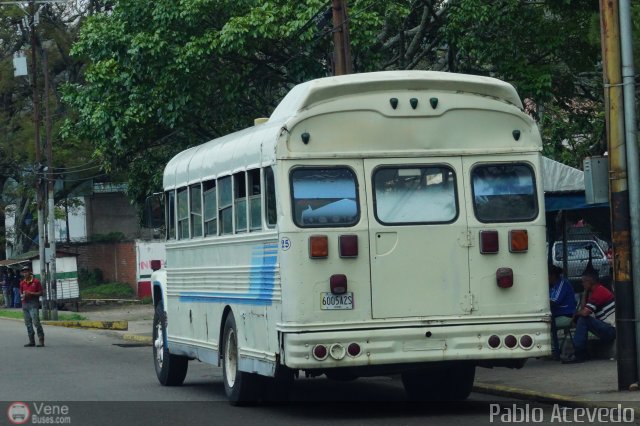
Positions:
{"x": 7, "y": 292}
{"x": 598, "y": 315}
{"x": 563, "y": 305}
{"x": 15, "y": 284}
{"x": 30, "y": 292}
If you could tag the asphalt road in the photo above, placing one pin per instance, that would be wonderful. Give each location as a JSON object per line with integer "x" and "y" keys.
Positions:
{"x": 100, "y": 382}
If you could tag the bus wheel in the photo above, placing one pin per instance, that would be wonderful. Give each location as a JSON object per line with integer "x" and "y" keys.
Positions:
{"x": 241, "y": 388}
{"x": 449, "y": 383}
{"x": 170, "y": 369}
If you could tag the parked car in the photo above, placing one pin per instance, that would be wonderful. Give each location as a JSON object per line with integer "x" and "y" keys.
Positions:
{"x": 578, "y": 257}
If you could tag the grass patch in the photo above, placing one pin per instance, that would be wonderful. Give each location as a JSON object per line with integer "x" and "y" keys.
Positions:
{"x": 17, "y": 313}
{"x": 108, "y": 291}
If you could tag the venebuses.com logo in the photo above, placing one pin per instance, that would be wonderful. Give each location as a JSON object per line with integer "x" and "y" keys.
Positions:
{"x": 18, "y": 413}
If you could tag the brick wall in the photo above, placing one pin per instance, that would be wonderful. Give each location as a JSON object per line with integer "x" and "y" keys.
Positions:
{"x": 117, "y": 261}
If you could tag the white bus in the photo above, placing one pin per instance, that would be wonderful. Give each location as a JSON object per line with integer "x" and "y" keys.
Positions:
{"x": 380, "y": 223}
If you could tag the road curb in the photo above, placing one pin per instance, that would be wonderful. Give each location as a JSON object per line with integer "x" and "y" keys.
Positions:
{"x": 546, "y": 397}
{"x": 100, "y": 325}
{"x": 138, "y": 338}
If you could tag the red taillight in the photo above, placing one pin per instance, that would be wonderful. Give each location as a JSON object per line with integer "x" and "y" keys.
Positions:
{"x": 318, "y": 246}
{"x": 504, "y": 277}
{"x": 156, "y": 265}
{"x": 338, "y": 284}
{"x": 348, "y": 245}
{"x": 518, "y": 241}
{"x": 354, "y": 349}
{"x": 320, "y": 352}
{"x": 526, "y": 342}
{"x": 494, "y": 341}
{"x": 510, "y": 341}
{"x": 489, "y": 242}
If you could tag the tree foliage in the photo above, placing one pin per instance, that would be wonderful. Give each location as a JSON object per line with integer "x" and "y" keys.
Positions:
{"x": 161, "y": 76}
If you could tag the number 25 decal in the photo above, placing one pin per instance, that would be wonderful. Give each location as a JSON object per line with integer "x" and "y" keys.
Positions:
{"x": 285, "y": 243}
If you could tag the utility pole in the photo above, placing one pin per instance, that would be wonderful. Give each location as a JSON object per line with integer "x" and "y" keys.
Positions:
{"x": 619, "y": 193}
{"x": 341, "y": 39}
{"x": 50, "y": 188}
{"x": 39, "y": 176}
{"x": 633, "y": 163}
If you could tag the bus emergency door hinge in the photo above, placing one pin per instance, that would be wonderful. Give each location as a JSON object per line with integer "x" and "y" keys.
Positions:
{"x": 464, "y": 239}
{"x": 467, "y": 303}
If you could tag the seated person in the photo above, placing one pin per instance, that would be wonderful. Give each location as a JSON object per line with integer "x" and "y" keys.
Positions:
{"x": 597, "y": 316}
{"x": 563, "y": 304}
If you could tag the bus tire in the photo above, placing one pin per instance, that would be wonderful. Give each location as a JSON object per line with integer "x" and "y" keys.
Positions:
{"x": 170, "y": 369}
{"x": 453, "y": 382}
{"x": 241, "y": 388}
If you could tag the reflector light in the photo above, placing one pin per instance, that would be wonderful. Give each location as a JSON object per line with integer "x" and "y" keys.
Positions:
{"x": 494, "y": 341}
{"x": 353, "y": 349}
{"x": 518, "y": 241}
{"x": 348, "y": 245}
{"x": 338, "y": 284}
{"x": 337, "y": 351}
{"x": 526, "y": 342}
{"x": 510, "y": 341}
{"x": 320, "y": 352}
{"x": 318, "y": 246}
{"x": 489, "y": 242}
{"x": 504, "y": 277}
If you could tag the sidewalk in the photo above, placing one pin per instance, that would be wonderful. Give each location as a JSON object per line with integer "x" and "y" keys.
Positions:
{"x": 140, "y": 318}
{"x": 591, "y": 384}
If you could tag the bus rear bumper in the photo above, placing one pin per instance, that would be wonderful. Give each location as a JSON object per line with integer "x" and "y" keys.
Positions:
{"x": 416, "y": 345}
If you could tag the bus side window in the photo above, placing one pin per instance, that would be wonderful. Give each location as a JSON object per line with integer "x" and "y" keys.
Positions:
{"x": 225, "y": 210}
{"x": 255, "y": 202}
{"x": 171, "y": 215}
{"x": 183, "y": 214}
{"x": 270, "y": 198}
{"x": 240, "y": 200}
{"x": 196, "y": 210}
{"x": 210, "y": 208}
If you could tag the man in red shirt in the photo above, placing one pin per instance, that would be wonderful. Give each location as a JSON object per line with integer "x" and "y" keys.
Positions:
{"x": 30, "y": 292}
{"x": 597, "y": 316}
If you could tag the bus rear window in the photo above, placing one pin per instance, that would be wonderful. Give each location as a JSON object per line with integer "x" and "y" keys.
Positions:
{"x": 324, "y": 197}
{"x": 409, "y": 195}
{"x": 504, "y": 193}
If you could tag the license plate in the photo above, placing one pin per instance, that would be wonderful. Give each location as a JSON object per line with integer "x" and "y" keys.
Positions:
{"x": 330, "y": 301}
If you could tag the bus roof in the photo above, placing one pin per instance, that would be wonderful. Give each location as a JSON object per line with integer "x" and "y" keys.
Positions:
{"x": 244, "y": 149}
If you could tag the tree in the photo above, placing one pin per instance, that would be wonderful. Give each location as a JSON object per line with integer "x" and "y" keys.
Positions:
{"x": 167, "y": 75}
{"x": 55, "y": 33}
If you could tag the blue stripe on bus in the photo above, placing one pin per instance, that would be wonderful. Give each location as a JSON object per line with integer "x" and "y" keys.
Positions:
{"x": 262, "y": 276}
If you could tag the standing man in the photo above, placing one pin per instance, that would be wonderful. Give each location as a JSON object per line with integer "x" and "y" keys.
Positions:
{"x": 597, "y": 316}
{"x": 563, "y": 305}
{"x": 30, "y": 292}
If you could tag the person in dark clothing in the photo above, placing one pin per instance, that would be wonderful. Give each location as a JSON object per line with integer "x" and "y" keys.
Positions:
{"x": 563, "y": 305}
{"x": 15, "y": 284}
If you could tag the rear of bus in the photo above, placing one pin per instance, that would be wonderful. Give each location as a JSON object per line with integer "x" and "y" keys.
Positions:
{"x": 412, "y": 228}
